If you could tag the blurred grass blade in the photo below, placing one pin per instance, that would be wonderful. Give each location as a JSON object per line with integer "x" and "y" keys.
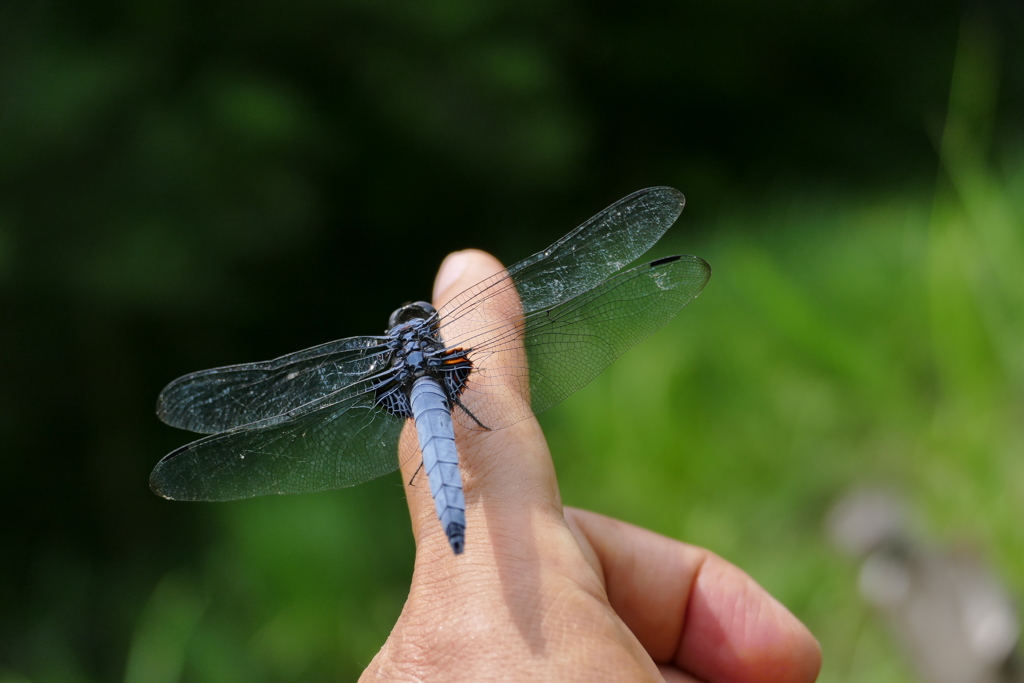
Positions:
{"x": 976, "y": 245}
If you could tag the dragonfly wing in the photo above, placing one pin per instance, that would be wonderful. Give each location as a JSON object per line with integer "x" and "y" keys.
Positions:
{"x": 549, "y": 354}
{"x": 217, "y": 400}
{"x": 341, "y": 444}
{"x": 577, "y": 263}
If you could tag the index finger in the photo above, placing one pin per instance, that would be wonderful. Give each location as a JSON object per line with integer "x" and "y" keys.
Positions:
{"x": 509, "y": 468}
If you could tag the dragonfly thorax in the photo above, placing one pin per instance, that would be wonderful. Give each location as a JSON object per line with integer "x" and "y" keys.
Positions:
{"x": 416, "y": 351}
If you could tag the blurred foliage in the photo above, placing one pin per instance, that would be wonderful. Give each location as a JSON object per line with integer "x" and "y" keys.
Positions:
{"x": 186, "y": 185}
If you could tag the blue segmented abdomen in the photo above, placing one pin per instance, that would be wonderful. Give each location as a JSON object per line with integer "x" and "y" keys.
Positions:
{"x": 440, "y": 459}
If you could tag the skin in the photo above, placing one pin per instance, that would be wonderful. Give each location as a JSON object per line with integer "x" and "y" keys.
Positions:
{"x": 552, "y": 593}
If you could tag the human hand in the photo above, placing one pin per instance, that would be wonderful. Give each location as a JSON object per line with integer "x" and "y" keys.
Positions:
{"x": 549, "y": 593}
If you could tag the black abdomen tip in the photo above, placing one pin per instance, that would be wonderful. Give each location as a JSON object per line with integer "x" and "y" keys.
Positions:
{"x": 456, "y": 537}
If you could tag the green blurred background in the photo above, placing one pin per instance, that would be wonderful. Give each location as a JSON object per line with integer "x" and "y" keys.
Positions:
{"x": 185, "y": 185}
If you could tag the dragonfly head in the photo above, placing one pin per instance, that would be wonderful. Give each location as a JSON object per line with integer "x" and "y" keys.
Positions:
{"x": 416, "y": 310}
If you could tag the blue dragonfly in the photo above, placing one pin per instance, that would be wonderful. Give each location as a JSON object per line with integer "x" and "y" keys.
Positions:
{"x": 331, "y": 416}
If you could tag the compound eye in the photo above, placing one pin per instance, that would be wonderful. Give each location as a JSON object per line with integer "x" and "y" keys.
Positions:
{"x": 416, "y": 310}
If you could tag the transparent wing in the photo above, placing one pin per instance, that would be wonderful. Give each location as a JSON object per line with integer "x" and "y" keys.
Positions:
{"x": 549, "y": 354}
{"x": 339, "y": 444}
{"x": 578, "y": 262}
{"x": 217, "y": 400}
{"x": 540, "y": 330}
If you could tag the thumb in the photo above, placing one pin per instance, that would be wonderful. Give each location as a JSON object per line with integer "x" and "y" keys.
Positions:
{"x": 508, "y": 478}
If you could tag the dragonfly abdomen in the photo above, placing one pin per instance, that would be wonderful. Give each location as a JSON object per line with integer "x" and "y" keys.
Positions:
{"x": 436, "y": 435}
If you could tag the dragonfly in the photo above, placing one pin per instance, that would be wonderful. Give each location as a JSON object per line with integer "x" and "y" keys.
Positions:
{"x": 511, "y": 346}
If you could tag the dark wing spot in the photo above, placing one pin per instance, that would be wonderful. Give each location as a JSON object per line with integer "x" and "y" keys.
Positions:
{"x": 663, "y": 261}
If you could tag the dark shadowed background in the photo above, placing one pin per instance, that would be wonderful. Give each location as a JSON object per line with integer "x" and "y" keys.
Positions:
{"x": 185, "y": 185}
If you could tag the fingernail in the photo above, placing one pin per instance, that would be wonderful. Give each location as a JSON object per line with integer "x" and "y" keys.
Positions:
{"x": 451, "y": 270}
